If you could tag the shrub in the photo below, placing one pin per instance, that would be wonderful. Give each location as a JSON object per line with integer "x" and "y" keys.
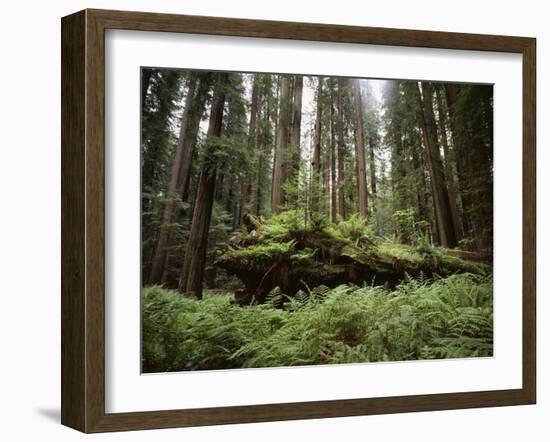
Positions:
{"x": 284, "y": 226}
{"x": 356, "y": 229}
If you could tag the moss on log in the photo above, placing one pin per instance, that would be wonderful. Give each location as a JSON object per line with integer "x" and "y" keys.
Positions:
{"x": 304, "y": 259}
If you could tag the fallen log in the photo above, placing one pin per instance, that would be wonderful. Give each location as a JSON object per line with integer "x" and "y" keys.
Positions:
{"x": 311, "y": 259}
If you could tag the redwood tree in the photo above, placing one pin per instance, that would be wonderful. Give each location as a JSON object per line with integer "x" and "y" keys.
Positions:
{"x": 443, "y": 216}
{"x": 362, "y": 198}
{"x": 333, "y": 195}
{"x": 341, "y": 148}
{"x": 195, "y": 256}
{"x": 253, "y": 141}
{"x": 197, "y": 91}
{"x": 280, "y": 161}
{"x": 316, "y": 157}
{"x": 449, "y": 174}
{"x": 295, "y": 131}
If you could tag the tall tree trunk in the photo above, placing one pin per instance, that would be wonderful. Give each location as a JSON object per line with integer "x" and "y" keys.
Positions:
{"x": 362, "y": 198}
{"x": 333, "y": 198}
{"x": 295, "y": 132}
{"x": 451, "y": 95}
{"x": 192, "y": 130}
{"x": 449, "y": 175}
{"x": 372, "y": 165}
{"x": 262, "y": 160}
{"x": 435, "y": 166}
{"x": 266, "y": 144}
{"x": 197, "y": 92}
{"x": 341, "y": 151}
{"x": 192, "y": 273}
{"x": 316, "y": 158}
{"x": 418, "y": 167}
{"x": 253, "y": 136}
{"x": 159, "y": 258}
{"x": 281, "y": 145}
{"x": 326, "y": 181}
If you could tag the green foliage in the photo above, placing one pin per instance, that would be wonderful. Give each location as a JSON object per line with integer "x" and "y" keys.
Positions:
{"x": 355, "y": 228}
{"x": 303, "y": 255}
{"x": 335, "y": 235}
{"x": 283, "y": 251}
{"x": 405, "y": 222}
{"x": 306, "y": 196}
{"x": 447, "y": 318}
{"x": 300, "y": 249}
{"x": 284, "y": 226}
{"x": 218, "y": 235}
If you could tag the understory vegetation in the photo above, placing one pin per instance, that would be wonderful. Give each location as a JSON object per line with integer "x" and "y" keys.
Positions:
{"x": 419, "y": 319}
{"x": 288, "y": 253}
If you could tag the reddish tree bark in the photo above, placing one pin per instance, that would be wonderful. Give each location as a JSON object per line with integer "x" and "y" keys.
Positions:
{"x": 192, "y": 273}
{"x": 316, "y": 176}
{"x": 281, "y": 145}
{"x": 372, "y": 166}
{"x": 341, "y": 150}
{"x": 440, "y": 197}
{"x": 295, "y": 132}
{"x": 253, "y": 134}
{"x": 316, "y": 159}
{"x": 333, "y": 195}
{"x": 442, "y": 120}
{"x": 362, "y": 198}
{"x": 197, "y": 92}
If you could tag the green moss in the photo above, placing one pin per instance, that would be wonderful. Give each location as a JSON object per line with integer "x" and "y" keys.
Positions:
{"x": 357, "y": 254}
{"x": 402, "y": 252}
{"x": 291, "y": 254}
{"x": 262, "y": 252}
{"x": 456, "y": 264}
{"x": 436, "y": 258}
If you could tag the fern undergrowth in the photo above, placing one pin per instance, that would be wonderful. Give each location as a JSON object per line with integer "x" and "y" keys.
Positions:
{"x": 442, "y": 318}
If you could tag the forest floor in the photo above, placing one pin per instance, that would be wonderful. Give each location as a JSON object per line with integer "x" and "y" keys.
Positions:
{"x": 324, "y": 296}
{"x": 448, "y": 317}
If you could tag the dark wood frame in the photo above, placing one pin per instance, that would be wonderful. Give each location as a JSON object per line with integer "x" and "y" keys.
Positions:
{"x": 83, "y": 216}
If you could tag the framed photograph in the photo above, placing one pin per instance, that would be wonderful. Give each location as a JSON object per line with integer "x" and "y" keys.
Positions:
{"x": 265, "y": 221}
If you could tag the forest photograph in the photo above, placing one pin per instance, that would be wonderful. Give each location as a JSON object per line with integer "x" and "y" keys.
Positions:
{"x": 298, "y": 220}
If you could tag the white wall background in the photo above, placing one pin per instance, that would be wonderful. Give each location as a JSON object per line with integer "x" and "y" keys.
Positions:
{"x": 30, "y": 219}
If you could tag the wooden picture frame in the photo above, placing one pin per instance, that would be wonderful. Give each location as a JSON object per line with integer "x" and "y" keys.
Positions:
{"x": 83, "y": 220}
